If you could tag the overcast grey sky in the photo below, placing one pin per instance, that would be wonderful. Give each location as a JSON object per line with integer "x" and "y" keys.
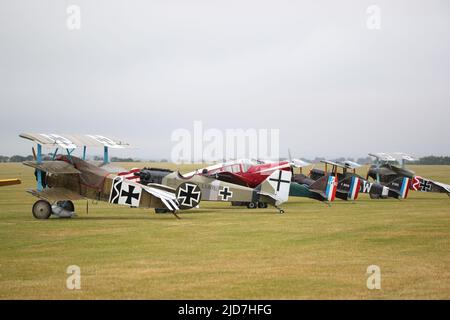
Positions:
{"x": 138, "y": 70}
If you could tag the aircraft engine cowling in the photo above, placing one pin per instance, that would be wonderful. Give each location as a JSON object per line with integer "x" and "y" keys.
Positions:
{"x": 152, "y": 175}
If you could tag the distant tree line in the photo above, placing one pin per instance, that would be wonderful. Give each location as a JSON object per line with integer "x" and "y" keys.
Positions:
{"x": 117, "y": 159}
{"x": 16, "y": 158}
{"x": 434, "y": 160}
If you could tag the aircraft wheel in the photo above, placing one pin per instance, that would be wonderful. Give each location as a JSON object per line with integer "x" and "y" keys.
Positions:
{"x": 251, "y": 205}
{"x": 262, "y": 205}
{"x": 67, "y": 205}
{"x": 161, "y": 210}
{"x": 42, "y": 209}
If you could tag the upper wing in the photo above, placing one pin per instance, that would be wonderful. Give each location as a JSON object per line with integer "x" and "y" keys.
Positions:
{"x": 299, "y": 163}
{"x": 72, "y": 141}
{"x": 383, "y": 156}
{"x": 332, "y": 163}
{"x": 403, "y": 156}
{"x": 351, "y": 165}
{"x": 55, "y": 167}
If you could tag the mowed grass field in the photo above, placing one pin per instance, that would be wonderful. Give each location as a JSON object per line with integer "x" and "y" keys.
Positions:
{"x": 313, "y": 251}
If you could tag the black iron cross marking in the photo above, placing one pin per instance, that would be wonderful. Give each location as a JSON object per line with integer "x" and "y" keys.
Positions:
{"x": 226, "y": 193}
{"x": 425, "y": 185}
{"x": 130, "y": 194}
{"x": 189, "y": 194}
{"x": 279, "y": 180}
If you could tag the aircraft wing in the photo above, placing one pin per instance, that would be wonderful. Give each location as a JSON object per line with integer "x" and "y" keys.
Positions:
{"x": 446, "y": 187}
{"x": 403, "y": 156}
{"x": 383, "y": 156}
{"x": 164, "y": 194}
{"x": 396, "y": 156}
{"x": 345, "y": 164}
{"x": 9, "y": 182}
{"x": 230, "y": 177}
{"x": 351, "y": 165}
{"x": 168, "y": 198}
{"x": 55, "y": 194}
{"x": 299, "y": 163}
{"x": 72, "y": 141}
{"x": 333, "y": 163}
{"x": 55, "y": 167}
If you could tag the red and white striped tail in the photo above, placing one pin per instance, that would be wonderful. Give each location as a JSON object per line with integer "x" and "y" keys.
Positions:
{"x": 129, "y": 175}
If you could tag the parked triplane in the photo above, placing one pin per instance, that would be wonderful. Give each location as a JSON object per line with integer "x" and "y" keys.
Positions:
{"x": 391, "y": 167}
{"x": 67, "y": 178}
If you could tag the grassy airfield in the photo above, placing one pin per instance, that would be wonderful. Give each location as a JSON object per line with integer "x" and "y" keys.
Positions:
{"x": 218, "y": 252}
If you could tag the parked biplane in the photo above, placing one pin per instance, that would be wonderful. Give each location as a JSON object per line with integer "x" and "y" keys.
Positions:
{"x": 66, "y": 178}
{"x": 348, "y": 184}
{"x": 389, "y": 168}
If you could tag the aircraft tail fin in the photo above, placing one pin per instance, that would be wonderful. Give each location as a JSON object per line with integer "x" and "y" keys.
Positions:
{"x": 277, "y": 185}
{"x": 348, "y": 188}
{"x": 326, "y": 186}
{"x": 400, "y": 186}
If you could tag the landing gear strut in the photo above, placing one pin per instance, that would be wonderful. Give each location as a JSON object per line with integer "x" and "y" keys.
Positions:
{"x": 67, "y": 205}
{"x": 250, "y": 205}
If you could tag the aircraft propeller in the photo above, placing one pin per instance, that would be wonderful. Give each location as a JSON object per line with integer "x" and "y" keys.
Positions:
{"x": 297, "y": 163}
